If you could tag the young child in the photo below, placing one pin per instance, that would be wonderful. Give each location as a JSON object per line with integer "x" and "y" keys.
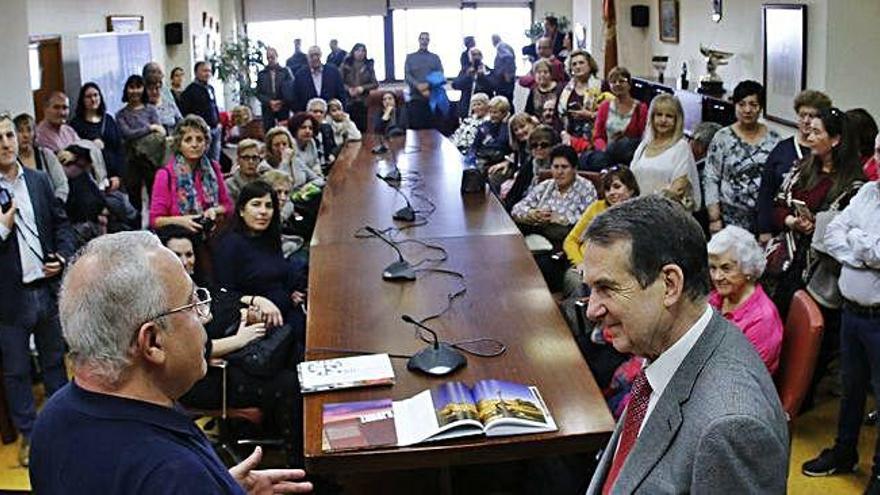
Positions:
{"x": 344, "y": 129}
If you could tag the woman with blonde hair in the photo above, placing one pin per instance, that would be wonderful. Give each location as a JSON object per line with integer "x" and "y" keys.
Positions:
{"x": 663, "y": 163}
{"x": 580, "y": 98}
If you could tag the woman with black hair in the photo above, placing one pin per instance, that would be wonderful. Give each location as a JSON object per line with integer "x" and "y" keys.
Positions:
{"x": 91, "y": 121}
{"x": 250, "y": 267}
{"x": 359, "y": 79}
{"x": 735, "y": 162}
{"x": 144, "y": 138}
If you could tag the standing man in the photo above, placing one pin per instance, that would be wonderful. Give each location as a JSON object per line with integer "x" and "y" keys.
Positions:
{"x": 53, "y": 132}
{"x": 504, "y": 68}
{"x": 416, "y": 69}
{"x": 473, "y": 79}
{"x": 134, "y": 321}
{"x": 298, "y": 59}
{"x": 35, "y": 242}
{"x": 337, "y": 55}
{"x": 198, "y": 98}
{"x": 317, "y": 80}
{"x": 153, "y": 71}
{"x": 465, "y": 57}
{"x": 704, "y": 415}
{"x": 273, "y": 83}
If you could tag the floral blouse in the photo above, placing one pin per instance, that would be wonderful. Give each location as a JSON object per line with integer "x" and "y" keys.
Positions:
{"x": 733, "y": 175}
{"x": 569, "y": 205}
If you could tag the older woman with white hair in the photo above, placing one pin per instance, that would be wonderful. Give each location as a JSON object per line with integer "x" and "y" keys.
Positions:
{"x": 464, "y": 135}
{"x": 736, "y": 261}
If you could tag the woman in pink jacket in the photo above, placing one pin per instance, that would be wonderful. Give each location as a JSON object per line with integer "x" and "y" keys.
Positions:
{"x": 189, "y": 191}
{"x": 735, "y": 263}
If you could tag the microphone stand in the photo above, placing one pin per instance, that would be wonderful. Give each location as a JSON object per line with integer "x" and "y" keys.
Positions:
{"x": 438, "y": 359}
{"x": 399, "y": 270}
{"x": 407, "y": 213}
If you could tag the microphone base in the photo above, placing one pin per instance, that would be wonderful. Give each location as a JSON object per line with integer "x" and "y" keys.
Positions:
{"x": 437, "y": 362}
{"x": 399, "y": 271}
{"x": 405, "y": 214}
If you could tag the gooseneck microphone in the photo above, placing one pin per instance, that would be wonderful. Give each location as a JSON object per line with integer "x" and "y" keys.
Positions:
{"x": 437, "y": 359}
{"x": 400, "y": 269}
{"x": 407, "y": 213}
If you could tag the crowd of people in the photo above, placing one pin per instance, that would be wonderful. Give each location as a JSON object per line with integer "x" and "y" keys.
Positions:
{"x": 780, "y": 215}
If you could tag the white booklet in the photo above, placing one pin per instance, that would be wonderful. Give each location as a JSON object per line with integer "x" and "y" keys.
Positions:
{"x": 349, "y": 372}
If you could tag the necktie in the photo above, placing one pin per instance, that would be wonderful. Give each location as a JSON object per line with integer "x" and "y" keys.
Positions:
{"x": 635, "y": 414}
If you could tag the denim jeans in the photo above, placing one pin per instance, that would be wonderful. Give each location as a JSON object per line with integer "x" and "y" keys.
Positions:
{"x": 859, "y": 369}
{"x": 216, "y": 144}
{"x": 39, "y": 315}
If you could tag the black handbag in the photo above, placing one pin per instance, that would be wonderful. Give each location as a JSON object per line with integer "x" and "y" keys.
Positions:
{"x": 265, "y": 356}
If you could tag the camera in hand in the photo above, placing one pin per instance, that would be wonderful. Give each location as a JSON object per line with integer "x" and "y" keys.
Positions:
{"x": 207, "y": 226}
{"x": 5, "y": 200}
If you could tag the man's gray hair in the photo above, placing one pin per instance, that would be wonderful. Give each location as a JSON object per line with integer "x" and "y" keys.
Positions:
{"x": 102, "y": 310}
{"x": 705, "y": 131}
{"x": 316, "y": 103}
{"x": 743, "y": 248}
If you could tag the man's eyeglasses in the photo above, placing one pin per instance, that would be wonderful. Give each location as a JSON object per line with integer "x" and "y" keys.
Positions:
{"x": 540, "y": 146}
{"x": 202, "y": 305}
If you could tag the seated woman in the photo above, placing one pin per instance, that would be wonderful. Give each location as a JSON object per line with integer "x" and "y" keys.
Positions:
{"x": 38, "y": 158}
{"x": 305, "y": 189}
{"x": 189, "y": 190}
{"x": 736, "y": 262}
{"x": 144, "y": 138}
{"x": 663, "y": 162}
{"x": 249, "y": 265}
{"x": 619, "y": 184}
{"x": 277, "y": 396}
{"x": 552, "y": 207}
{"x": 244, "y": 126}
{"x": 246, "y": 169}
{"x": 391, "y": 119}
{"x": 620, "y": 123}
{"x": 292, "y": 223}
{"x": 519, "y": 163}
{"x": 91, "y": 121}
{"x": 544, "y": 90}
{"x": 344, "y": 130}
{"x": 491, "y": 142}
{"x": 735, "y": 162}
{"x": 463, "y": 137}
{"x": 169, "y": 114}
{"x": 322, "y": 134}
{"x": 302, "y": 127}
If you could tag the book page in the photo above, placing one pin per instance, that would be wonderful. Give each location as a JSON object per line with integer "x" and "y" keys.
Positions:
{"x": 358, "y": 425}
{"x": 415, "y": 419}
{"x": 512, "y": 404}
{"x": 357, "y": 371}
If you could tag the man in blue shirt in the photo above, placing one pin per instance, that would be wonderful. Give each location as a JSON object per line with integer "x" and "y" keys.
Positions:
{"x": 416, "y": 69}
{"x": 133, "y": 320}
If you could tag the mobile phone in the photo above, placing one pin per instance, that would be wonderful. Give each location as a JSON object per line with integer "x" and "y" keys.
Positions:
{"x": 5, "y": 200}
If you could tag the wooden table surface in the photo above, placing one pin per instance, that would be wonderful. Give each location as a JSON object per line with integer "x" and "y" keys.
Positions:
{"x": 507, "y": 299}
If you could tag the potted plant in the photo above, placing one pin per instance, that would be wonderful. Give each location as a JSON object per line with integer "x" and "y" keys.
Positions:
{"x": 237, "y": 64}
{"x": 536, "y": 30}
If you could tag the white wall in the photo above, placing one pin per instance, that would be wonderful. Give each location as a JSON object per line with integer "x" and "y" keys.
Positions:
{"x": 559, "y": 7}
{"x": 71, "y": 18}
{"x": 16, "y": 96}
{"x": 853, "y": 64}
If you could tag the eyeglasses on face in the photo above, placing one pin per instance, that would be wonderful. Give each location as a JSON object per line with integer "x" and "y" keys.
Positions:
{"x": 250, "y": 158}
{"x": 202, "y": 305}
{"x": 540, "y": 145}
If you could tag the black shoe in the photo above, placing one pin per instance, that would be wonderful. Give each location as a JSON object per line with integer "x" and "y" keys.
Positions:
{"x": 831, "y": 461}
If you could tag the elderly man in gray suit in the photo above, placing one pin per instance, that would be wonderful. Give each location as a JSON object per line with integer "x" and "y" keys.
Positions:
{"x": 704, "y": 416}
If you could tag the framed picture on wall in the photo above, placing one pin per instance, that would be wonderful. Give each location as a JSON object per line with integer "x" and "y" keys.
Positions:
{"x": 785, "y": 59}
{"x": 669, "y": 21}
{"x": 125, "y": 23}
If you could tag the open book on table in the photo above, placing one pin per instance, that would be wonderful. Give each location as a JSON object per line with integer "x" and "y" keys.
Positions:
{"x": 448, "y": 410}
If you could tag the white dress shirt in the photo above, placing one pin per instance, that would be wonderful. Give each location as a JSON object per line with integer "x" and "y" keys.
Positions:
{"x": 661, "y": 370}
{"x": 29, "y": 248}
{"x": 317, "y": 80}
{"x": 853, "y": 238}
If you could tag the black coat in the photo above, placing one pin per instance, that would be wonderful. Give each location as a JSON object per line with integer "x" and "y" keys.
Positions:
{"x": 331, "y": 86}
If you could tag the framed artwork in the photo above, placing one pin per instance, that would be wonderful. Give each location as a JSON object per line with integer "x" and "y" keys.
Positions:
{"x": 785, "y": 59}
{"x": 125, "y": 23}
{"x": 669, "y": 21}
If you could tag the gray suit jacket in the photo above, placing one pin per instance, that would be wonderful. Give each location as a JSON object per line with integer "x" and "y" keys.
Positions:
{"x": 717, "y": 428}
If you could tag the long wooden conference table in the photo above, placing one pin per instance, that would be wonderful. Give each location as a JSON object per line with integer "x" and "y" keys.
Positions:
{"x": 353, "y": 308}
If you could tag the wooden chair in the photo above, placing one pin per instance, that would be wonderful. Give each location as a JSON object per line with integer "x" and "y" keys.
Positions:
{"x": 801, "y": 340}
{"x": 225, "y": 442}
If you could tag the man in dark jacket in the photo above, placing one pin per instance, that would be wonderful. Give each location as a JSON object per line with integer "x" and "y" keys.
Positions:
{"x": 198, "y": 98}
{"x": 317, "y": 80}
{"x": 35, "y": 242}
{"x": 274, "y": 90}
{"x": 337, "y": 55}
{"x": 298, "y": 60}
{"x": 475, "y": 78}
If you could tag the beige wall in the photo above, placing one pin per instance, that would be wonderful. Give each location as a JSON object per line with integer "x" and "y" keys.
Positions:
{"x": 853, "y": 63}
{"x": 16, "y": 96}
{"x": 559, "y": 7}
{"x": 71, "y": 18}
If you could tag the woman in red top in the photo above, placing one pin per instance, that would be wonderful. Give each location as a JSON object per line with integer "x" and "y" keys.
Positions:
{"x": 619, "y": 126}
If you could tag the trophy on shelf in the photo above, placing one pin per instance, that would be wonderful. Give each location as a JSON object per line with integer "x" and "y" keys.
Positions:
{"x": 659, "y": 62}
{"x": 711, "y": 83}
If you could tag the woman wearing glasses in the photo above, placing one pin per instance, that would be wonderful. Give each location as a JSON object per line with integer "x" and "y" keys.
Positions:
{"x": 532, "y": 156}
{"x": 246, "y": 169}
{"x": 277, "y": 396}
{"x": 663, "y": 163}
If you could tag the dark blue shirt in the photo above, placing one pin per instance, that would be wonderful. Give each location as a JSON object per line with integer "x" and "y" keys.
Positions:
{"x": 777, "y": 166}
{"x": 86, "y": 442}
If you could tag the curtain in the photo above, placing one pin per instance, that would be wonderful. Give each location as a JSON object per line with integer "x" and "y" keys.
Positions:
{"x": 608, "y": 14}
